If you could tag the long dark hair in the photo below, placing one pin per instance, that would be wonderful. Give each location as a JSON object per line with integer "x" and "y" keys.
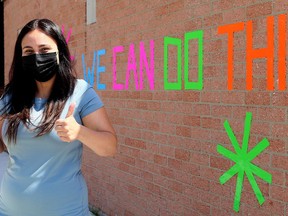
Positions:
{"x": 21, "y": 88}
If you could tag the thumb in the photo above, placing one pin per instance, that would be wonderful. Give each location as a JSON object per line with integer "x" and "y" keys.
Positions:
{"x": 71, "y": 109}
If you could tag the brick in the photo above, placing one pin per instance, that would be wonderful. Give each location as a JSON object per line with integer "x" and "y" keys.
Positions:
{"x": 214, "y": 71}
{"x": 183, "y": 177}
{"x": 191, "y": 96}
{"x": 168, "y": 106}
{"x": 272, "y": 114}
{"x": 213, "y": 45}
{"x": 134, "y": 190}
{"x": 257, "y": 98}
{"x": 218, "y": 212}
{"x": 147, "y": 176}
{"x": 194, "y": 24}
{"x": 155, "y": 189}
{"x": 215, "y": 19}
{"x": 210, "y": 198}
{"x": 198, "y": 133}
{"x": 262, "y": 9}
{"x": 217, "y": 57}
{"x": 193, "y": 3}
{"x": 212, "y": 97}
{"x": 161, "y": 160}
{"x": 188, "y": 211}
{"x": 175, "y": 207}
{"x": 244, "y": 2}
{"x": 222, "y": 5}
{"x": 279, "y": 6}
{"x": 135, "y": 143}
{"x": 273, "y": 207}
{"x": 176, "y": 118}
{"x": 210, "y": 173}
{"x": 277, "y": 145}
{"x": 176, "y": 186}
{"x": 175, "y": 96}
{"x": 280, "y": 130}
{"x": 124, "y": 167}
{"x": 167, "y": 150}
{"x": 215, "y": 85}
{"x": 126, "y": 159}
{"x": 192, "y": 168}
{"x": 168, "y": 8}
{"x": 240, "y": 112}
{"x": 200, "y": 183}
{"x": 160, "y": 138}
{"x": 175, "y": 164}
{"x": 221, "y": 111}
{"x": 201, "y": 207}
{"x": 211, "y": 123}
{"x": 278, "y": 177}
{"x": 146, "y": 156}
{"x": 279, "y": 162}
{"x": 279, "y": 193}
{"x": 159, "y": 117}
{"x": 201, "y": 10}
{"x": 233, "y": 16}
{"x": 202, "y": 109}
{"x": 192, "y": 192}
{"x": 167, "y": 128}
{"x": 219, "y": 163}
{"x": 279, "y": 99}
{"x": 184, "y": 107}
{"x": 182, "y": 154}
{"x": 183, "y": 131}
{"x": 233, "y": 97}
{"x": 261, "y": 128}
{"x": 191, "y": 120}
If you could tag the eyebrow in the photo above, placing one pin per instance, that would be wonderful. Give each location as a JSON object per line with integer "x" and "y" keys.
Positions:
{"x": 42, "y": 45}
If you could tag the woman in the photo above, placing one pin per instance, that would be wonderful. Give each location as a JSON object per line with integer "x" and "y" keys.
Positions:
{"x": 47, "y": 114}
{"x": 3, "y": 161}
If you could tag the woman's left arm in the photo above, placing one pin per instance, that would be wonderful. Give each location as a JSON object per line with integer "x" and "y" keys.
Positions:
{"x": 97, "y": 133}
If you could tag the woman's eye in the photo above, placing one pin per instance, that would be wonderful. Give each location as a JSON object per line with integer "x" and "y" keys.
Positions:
{"x": 44, "y": 50}
{"x": 28, "y": 52}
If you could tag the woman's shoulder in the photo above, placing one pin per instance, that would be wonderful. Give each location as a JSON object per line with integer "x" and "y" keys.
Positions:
{"x": 82, "y": 84}
{"x": 81, "y": 88}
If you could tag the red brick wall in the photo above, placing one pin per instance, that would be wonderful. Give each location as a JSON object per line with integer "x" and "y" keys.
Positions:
{"x": 167, "y": 161}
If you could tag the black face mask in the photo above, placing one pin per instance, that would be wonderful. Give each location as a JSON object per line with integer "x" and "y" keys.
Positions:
{"x": 42, "y": 66}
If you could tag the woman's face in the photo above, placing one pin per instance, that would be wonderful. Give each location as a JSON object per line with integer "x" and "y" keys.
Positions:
{"x": 37, "y": 42}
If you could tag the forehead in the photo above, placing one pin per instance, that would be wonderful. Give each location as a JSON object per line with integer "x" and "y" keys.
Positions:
{"x": 36, "y": 38}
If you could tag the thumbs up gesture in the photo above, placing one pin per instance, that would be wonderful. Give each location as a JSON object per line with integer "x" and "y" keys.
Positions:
{"x": 68, "y": 129}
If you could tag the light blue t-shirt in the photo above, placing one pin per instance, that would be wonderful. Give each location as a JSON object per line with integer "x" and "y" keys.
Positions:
{"x": 44, "y": 173}
{"x": 3, "y": 163}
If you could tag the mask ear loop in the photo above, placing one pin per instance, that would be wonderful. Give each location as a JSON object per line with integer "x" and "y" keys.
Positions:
{"x": 57, "y": 55}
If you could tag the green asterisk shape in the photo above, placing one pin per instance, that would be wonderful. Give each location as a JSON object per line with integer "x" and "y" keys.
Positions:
{"x": 243, "y": 163}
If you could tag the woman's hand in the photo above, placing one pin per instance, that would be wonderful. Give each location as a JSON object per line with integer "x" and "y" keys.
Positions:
{"x": 96, "y": 133}
{"x": 68, "y": 129}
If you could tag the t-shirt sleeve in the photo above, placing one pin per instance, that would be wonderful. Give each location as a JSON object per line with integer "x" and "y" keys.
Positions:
{"x": 89, "y": 102}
